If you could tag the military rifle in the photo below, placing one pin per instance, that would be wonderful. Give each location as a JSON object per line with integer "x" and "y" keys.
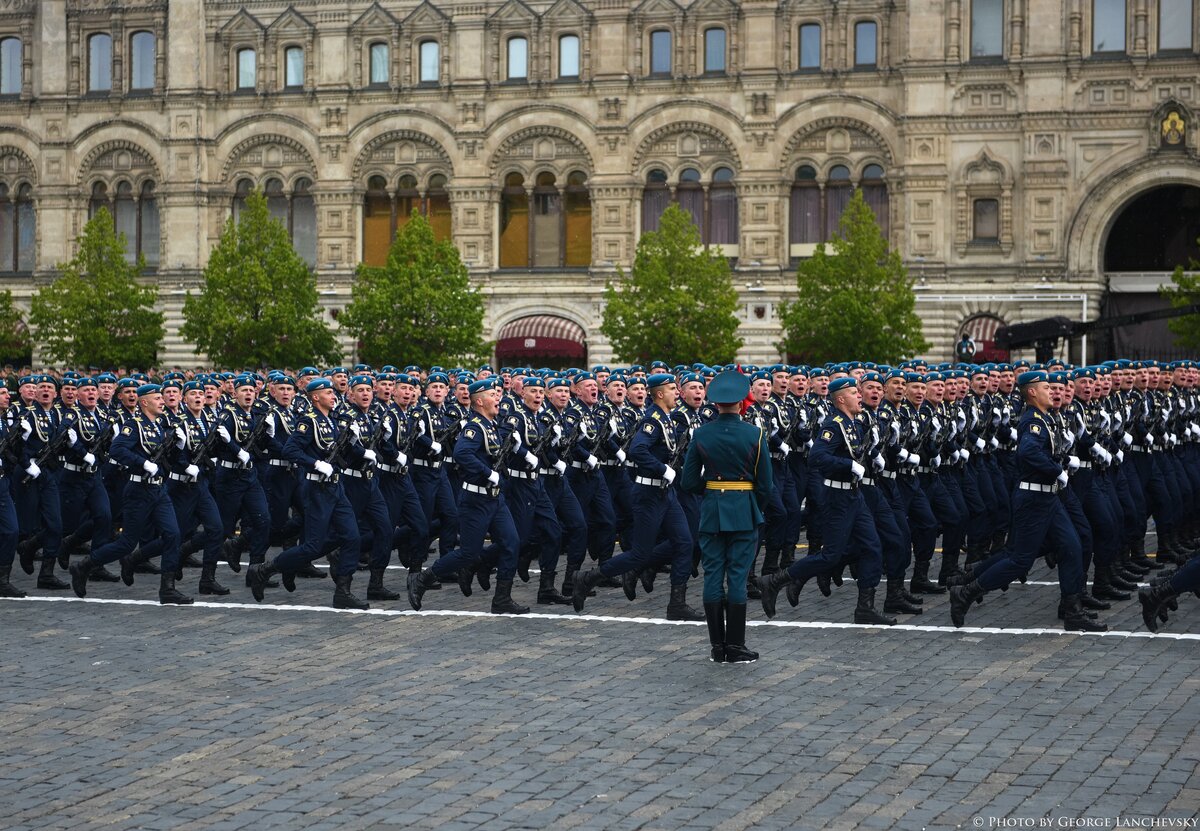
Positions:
{"x": 202, "y": 456}
{"x": 677, "y": 457}
{"x": 50, "y": 449}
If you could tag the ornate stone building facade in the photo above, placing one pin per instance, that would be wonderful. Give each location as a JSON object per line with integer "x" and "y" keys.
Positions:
{"x": 1012, "y": 149}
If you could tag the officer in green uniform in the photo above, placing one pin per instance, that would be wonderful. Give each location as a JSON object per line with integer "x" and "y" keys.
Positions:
{"x": 729, "y": 462}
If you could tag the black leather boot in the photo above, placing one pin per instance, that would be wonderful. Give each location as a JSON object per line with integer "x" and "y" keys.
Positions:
{"x": 48, "y": 580}
{"x": 1062, "y": 609}
{"x": 568, "y": 586}
{"x": 502, "y": 602}
{"x": 102, "y": 575}
{"x": 894, "y": 601}
{"x": 418, "y": 584}
{"x": 208, "y": 581}
{"x": 678, "y": 608}
{"x": 752, "y": 590}
{"x": 1155, "y": 601}
{"x": 483, "y": 575}
{"x": 232, "y": 556}
{"x": 1090, "y": 602}
{"x": 1075, "y": 619}
{"x": 786, "y": 557}
{"x": 259, "y": 577}
{"x": 865, "y": 612}
{"x": 961, "y": 578}
{"x": 975, "y": 553}
{"x": 1137, "y": 555}
{"x": 375, "y": 588}
{"x": 79, "y": 576}
{"x": 27, "y": 550}
{"x": 466, "y": 581}
{"x": 523, "y": 561}
{"x": 168, "y": 594}
{"x": 584, "y": 583}
{"x": 920, "y": 583}
{"x": 548, "y": 595}
{"x": 735, "y": 635}
{"x": 647, "y": 576}
{"x": 629, "y": 581}
{"x": 1103, "y": 587}
{"x": 768, "y": 587}
{"x": 343, "y": 598}
{"x": 714, "y": 615}
{"x": 770, "y": 561}
{"x": 7, "y": 589}
{"x": 961, "y": 598}
{"x": 949, "y": 566}
{"x": 1120, "y": 581}
{"x": 311, "y": 572}
{"x": 143, "y": 566}
{"x": 608, "y": 582}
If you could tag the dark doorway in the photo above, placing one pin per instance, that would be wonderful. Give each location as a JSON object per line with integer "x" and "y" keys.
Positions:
{"x": 1156, "y": 231}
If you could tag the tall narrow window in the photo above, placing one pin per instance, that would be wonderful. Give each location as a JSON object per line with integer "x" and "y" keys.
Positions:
{"x": 985, "y": 225}
{"x": 804, "y": 225}
{"x": 865, "y": 53}
{"x": 547, "y": 222}
{"x": 293, "y": 59}
{"x": 277, "y": 201}
{"x": 407, "y": 202}
{"x": 98, "y": 200}
{"x": 518, "y": 59}
{"x": 514, "y": 223}
{"x": 10, "y": 66}
{"x": 304, "y": 222}
{"x": 8, "y": 231}
{"x": 437, "y": 206}
{"x": 810, "y": 46}
{"x": 660, "y": 52}
{"x": 577, "y": 206}
{"x": 838, "y": 191}
{"x": 26, "y": 228}
{"x": 247, "y": 69}
{"x": 149, "y": 235}
{"x": 987, "y": 28}
{"x": 874, "y": 191}
{"x": 99, "y": 63}
{"x": 141, "y": 68}
{"x": 380, "y": 56}
{"x": 125, "y": 217}
{"x": 239, "y": 197}
{"x": 1174, "y": 25}
{"x": 1108, "y": 26}
{"x": 655, "y": 198}
{"x": 714, "y": 50}
{"x": 431, "y": 70}
{"x": 568, "y": 56}
{"x": 689, "y": 193}
{"x": 377, "y": 222}
{"x": 723, "y": 209}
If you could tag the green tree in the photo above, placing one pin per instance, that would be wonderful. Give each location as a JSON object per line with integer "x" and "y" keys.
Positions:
{"x": 1184, "y": 291}
{"x": 97, "y": 312}
{"x": 258, "y": 303}
{"x": 420, "y": 308}
{"x": 856, "y": 302}
{"x": 678, "y": 304}
{"x": 14, "y": 336}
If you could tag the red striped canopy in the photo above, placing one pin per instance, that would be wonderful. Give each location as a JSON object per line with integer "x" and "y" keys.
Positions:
{"x": 541, "y": 336}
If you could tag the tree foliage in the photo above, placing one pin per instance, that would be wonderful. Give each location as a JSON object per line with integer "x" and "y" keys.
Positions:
{"x": 854, "y": 302}
{"x": 678, "y": 304}
{"x": 97, "y": 312}
{"x": 1184, "y": 291}
{"x": 420, "y": 307}
{"x": 258, "y": 303}
{"x": 15, "y": 342}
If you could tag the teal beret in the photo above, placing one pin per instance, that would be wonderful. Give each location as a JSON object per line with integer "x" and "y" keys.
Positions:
{"x": 659, "y": 379}
{"x": 534, "y": 381}
{"x": 193, "y": 385}
{"x": 554, "y": 383}
{"x": 148, "y": 389}
{"x": 318, "y": 384}
{"x": 437, "y": 378}
{"x": 1031, "y": 377}
{"x": 483, "y": 386}
{"x": 839, "y": 384}
{"x": 359, "y": 380}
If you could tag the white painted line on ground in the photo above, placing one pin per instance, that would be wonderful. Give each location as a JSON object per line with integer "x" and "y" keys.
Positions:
{"x": 781, "y": 624}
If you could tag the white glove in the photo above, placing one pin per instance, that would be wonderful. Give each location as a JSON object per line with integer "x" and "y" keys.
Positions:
{"x": 560, "y": 466}
{"x": 387, "y": 429}
{"x": 857, "y": 470}
{"x": 936, "y": 423}
{"x": 620, "y": 455}
{"x": 72, "y": 437}
{"x": 420, "y": 427}
{"x": 322, "y": 467}
{"x": 1063, "y": 479}
{"x": 516, "y": 440}
{"x": 494, "y": 478}
{"x": 1070, "y": 440}
{"x": 993, "y": 442}
{"x": 435, "y": 447}
{"x": 34, "y": 471}
{"x": 1101, "y": 454}
{"x": 243, "y": 457}
{"x": 150, "y": 467}
{"x": 592, "y": 462}
{"x": 531, "y": 460}
{"x": 355, "y": 429}
{"x": 903, "y": 455}
{"x": 914, "y": 459}
{"x": 462, "y": 423}
{"x": 877, "y": 462}
{"x": 1120, "y": 455}
{"x": 808, "y": 444}
{"x": 669, "y": 475}
{"x": 26, "y": 430}
{"x": 1073, "y": 463}
{"x": 89, "y": 459}
{"x": 960, "y": 420}
{"x": 1149, "y": 439}
{"x": 1012, "y": 434}
{"x": 180, "y": 438}
{"x": 784, "y": 448}
{"x": 980, "y": 444}
{"x": 965, "y": 455}
{"x": 558, "y": 433}
{"x": 937, "y": 460}
{"x": 369, "y": 455}
{"x": 612, "y": 424}
{"x": 224, "y": 434}
{"x": 192, "y": 471}
{"x": 401, "y": 459}
{"x": 270, "y": 425}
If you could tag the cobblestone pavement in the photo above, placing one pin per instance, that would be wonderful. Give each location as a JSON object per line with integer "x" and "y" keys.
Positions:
{"x": 119, "y": 713}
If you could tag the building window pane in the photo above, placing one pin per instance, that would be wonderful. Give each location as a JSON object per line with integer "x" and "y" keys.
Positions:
{"x": 239, "y": 197}
{"x": 7, "y": 231}
{"x": 805, "y": 219}
{"x": 294, "y": 67}
{"x": 723, "y": 209}
{"x": 26, "y": 229}
{"x": 1174, "y": 24}
{"x": 98, "y": 200}
{"x": 660, "y": 52}
{"x": 149, "y": 240}
{"x": 577, "y": 205}
{"x": 1108, "y": 25}
{"x": 304, "y": 222}
{"x": 690, "y": 196}
{"x": 377, "y": 222}
{"x": 547, "y": 222}
{"x": 655, "y": 199}
{"x": 438, "y": 200}
{"x": 810, "y": 46}
{"x": 99, "y": 63}
{"x": 714, "y": 50}
{"x": 10, "y": 66}
{"x": 247, "y": 72}
{"x": 379, "y": 63}
{"x": 864, "y": 44}
{"x": 875, "y": 195}
{"x": 125, "y": 217}
{"x": 430, "y": 62}
{"x": 141, "y": 71}
{"x": 568, "y": 56}
{"x": 987, "y": 28}
{"x": 986, "y": 226}
{"x": 518, "y": 58}
{"x": 514, "y": 223}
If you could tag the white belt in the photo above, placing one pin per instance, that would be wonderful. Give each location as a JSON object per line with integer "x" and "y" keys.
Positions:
{"x": 149, "y": 480}
{"x": 316, "y": 477}
{"x": 280, "y": 463}
{"x": 921, "y": 469}
{"x": 78, "y": 468}
{"x": 1039, "y": 488}
{"x": 654, "y": 483}
{"x": 1085, "y": 465}
{"x": 521, "y": 474}
{"x": 610, "y": 463}
{"x": 868, "y": 481}
{"x": 779, "y": 457}
{"x": 1137, "y": 448}
{"x": 542, "y": 471}
{"x": 580, "y": 465}
{"x": 469, "y": 488}
{"x": 841, "y": 486}
{"x": 181, "y": 477}
{"x": 424, "y": 463}
{"x": 357, "y": 474}
{"x": 448, "y": 460}
{"x": 236, "y": 465}
{"x": 388, "y": 468}
{"x": 888, "y": 474}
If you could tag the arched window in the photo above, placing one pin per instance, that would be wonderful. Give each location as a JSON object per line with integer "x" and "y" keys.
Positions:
{"x": 378, "y": 222}
{"x": 714, "y": 51}
{"x": 380, "y": 64}
{"x": 304, "y": 222}
{"x": 660, "y": 52}
{"x": 874, "y": 191}
{"x": 514, "y": 223}
{"x": 247, "y": 69}
{"x": 142, "y": 58}
{"x": 277, "y": 201}
{"x": 805, "y": 219}
{"x": 8, "y": 231}
{"x": 98, "y": 200}
{"x": 865, "y": 44}
{"x": 655, "y": 198}
{"x": 810, "y": 46}
{"x": 99, "y": 63}
{"x": 437, "y": 206}
{"x": 149, "y": 233}
{"x": 17, "y": 229}
{"x": 518, "y": 59}
{"x": 431, "y": 69}
{"x": 11, "y": 59}
{"x": 838, "y": 192}
{"x": 407, "y": 201}
{"x": 568, "y": 56}
{"x": 293, "y": 61}
{"x": 125, "y": 217}
{"x": 722, "y": 209}
{"x": 577, "y": 209}
{"x": 244, "y": 186}
{"x": 547, "y": 222}
{"x": 689, "y": 193}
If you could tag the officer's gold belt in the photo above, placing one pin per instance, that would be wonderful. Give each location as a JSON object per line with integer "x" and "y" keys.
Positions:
{"x": 729, "y": 486}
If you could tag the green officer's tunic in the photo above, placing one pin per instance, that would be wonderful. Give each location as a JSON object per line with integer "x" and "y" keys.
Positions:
{"x": 729, "y": 462}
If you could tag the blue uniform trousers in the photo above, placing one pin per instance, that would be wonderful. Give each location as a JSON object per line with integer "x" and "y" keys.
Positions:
{"x": 375, "y": 529}
{"x": 329, "y": 524}
{"x": 39, "y": 511}
{"x": 411, "y": 537}
{"x": 775, "y": 514}
{"x": 440, "y": 509}
{"x": 85, "y": 506}
{"x": 148, "y": 515}
{"x": 592, "y": 492}
{"x": 891, "y": 525}
{"x": 1154, "y": 489}
{"x": 922, "y": 524}
{"x": 239, "y": 495}
{"x": 726, "y": 557}
{"x": 194, "y": 505}
{"x": 850, "y": 533}
{"x": 9, "y": 528}
{"x": 1103, "y": 526}
{"x": 798, "y": 468}
{"x": 534, "y": 519}
{"x": 620, "y": 491}
{"x": 656, "y": 512}
{"x": 115, "y": 478}
{"x": 282, "y": 488}
{"x": 814, "y": 512}
{"x": 570, "y": 518}
{"x": 482, "y": 515}
{"x": 1043, "y": 521}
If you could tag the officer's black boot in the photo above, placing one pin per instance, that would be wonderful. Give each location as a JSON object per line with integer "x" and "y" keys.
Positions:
{"x": 168, "y": 594}
{"x": 769, "y": 586}
{"x": 865, "y": 612}
{"x": 894, "y": 601}
{"x": 1129, "y": 565}
{"x": 418, "y": 584}
{"x": 1137, "y": 555}
{"x": 502, "y": 602}
{"x": 208, "y": 581}
{"x": 735, "y": 635}
{"x": 786, "y": 557}
{"x": 548, "y": 595}
{"x": 647, "y": 576}
{"x": 771, "y": 561}
{"x": 523, "y": 561}
{"x": 961, "y": 598}
{"x": 1155, "y": 601}
{"x": 48, "y": 580}
{"x": 677, "y": 608}
{"x": 714, "y": 615}
{"x": 7, "y": 589}
{"x": 128, "y": 562}
{"x": 144, "y": 566}
{"x": 1087, "y": 599}
{"x": 582, "y": 589}
{"x": 1118, "y": 582}
{"x": 483, "y": 574}
{"x": 375, "y": 588}
{"x": 102, "y": 575}
{"x": 187, "y": 552}
{"x": 231, "y": 555}
{"x": 309, "y": 571}
{"x": 629, "y": 581}
{"x": 258, "y": 577}
{"x": 27, "y": 550}
{"x": 343, "y": 598}
{"x": 949, "y": 566}
{"x": 79, "y": 576}
{"x": 1075, "y": 619}
{"x": 975, "y": 553}
{"x": 466, "y": 581}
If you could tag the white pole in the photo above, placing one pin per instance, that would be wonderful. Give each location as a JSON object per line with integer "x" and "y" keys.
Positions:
{"x": 1083, "y": 339}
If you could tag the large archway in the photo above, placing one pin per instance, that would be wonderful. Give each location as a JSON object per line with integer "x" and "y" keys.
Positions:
{"x": 1155, "y": 231}
{"x": 541, "y": 340}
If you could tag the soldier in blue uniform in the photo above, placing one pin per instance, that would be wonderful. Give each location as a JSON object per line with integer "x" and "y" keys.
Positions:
{"x": 558, "y": 489}
{"x": 433, "y": 426}
{"x": 85, "y": 507}
{"x": 39, "y": 504}
{"x": 362, "y": 489}
{"x": 9, "y": 527}
{"x": 239, "y": 493}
